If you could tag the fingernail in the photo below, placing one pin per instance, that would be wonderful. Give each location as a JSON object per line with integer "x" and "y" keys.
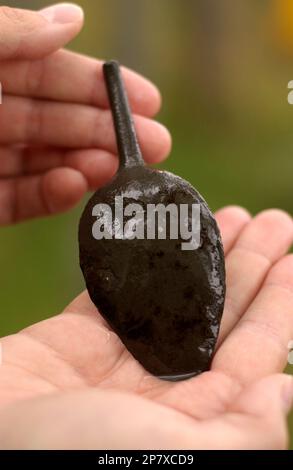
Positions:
{"x": 62, "y": 13}
{"x": 287, "y": 394}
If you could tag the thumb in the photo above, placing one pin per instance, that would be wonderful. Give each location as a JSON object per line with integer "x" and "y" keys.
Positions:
{"x": 266, "y": 403}
{"x": 31, "y": 35}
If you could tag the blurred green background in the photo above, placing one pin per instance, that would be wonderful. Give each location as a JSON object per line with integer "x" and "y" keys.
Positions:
{"x": 223, "y": 69}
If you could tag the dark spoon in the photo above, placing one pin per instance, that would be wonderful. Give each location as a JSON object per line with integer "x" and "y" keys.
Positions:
{"x": 164, "y": 302}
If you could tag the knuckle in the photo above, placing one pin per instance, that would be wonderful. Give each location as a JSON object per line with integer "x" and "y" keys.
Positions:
{"x": 35, "y": 75}
{"x": 34, "y": 122}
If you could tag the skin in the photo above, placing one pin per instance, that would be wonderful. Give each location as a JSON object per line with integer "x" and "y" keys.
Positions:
{"x": 68, "y": 382}
{"x": 71, "y": 382}
{"x": 57, "y": 140}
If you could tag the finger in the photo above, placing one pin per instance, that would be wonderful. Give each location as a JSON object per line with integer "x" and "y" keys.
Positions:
{"x": 80, "y": 80}
{"x": 74, "y": 126}
{"x": 258, "y": 345}
{"x": 254, "y": 419}
{"x": 231, "y": 221}
{"x": 97, "y": 166}
{"x": 31, "y": 35}
{"x": 265, "y": 405}
{"x": 32, "y": 196}
{"x": 261, "y": 244}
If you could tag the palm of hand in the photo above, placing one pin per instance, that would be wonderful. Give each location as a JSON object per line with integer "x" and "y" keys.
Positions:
{"x": 73, "y": 382}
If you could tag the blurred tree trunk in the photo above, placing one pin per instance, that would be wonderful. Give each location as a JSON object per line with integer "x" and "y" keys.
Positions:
{"x": 207, "y": 40}
{"x": 132, "y": 33}
{"x": 212, "y": 53}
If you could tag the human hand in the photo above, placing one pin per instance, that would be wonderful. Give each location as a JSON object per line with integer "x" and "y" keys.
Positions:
{"x": 68, "y": 382}
{"x": 57, "y": 139}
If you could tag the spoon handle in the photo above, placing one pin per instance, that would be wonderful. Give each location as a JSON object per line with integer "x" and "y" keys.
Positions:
{"x": 127, "y": 143}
